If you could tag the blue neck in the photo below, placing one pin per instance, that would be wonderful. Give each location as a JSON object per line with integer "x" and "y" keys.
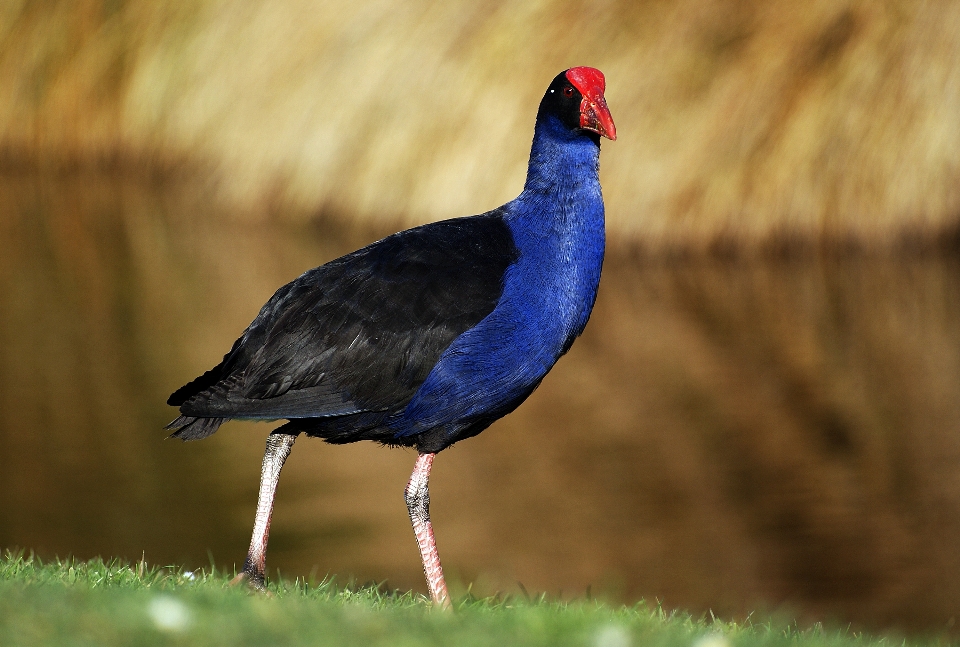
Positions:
{"x": 558, "y": 227}
{"x": 560, "y": 155}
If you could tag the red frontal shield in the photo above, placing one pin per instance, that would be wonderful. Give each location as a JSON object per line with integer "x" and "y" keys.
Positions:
{"x": 594, "y": 114}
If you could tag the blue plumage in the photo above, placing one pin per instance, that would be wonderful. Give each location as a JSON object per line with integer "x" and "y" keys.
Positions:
{"x": 557, "y": 225}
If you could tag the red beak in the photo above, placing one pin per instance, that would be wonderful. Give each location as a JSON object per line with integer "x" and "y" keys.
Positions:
{"x": 594, "y": 114}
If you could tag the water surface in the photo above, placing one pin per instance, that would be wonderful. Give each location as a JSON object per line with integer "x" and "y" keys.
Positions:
{"x": 728, "y": 434}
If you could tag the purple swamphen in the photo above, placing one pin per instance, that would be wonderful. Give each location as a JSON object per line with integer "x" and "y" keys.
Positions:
{"x": 426, "y": 337}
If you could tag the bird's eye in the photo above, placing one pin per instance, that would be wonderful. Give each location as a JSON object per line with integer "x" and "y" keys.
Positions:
{"x": 568, "y": 91}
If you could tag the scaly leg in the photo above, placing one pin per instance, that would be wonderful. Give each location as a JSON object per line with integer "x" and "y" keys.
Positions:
{"x": 417, "y": 496}
{"x": 278, "y": 448}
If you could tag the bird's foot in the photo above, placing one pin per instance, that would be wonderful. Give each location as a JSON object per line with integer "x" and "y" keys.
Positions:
{"x": 253, "y": 579}
{"x": 442, "y": 603}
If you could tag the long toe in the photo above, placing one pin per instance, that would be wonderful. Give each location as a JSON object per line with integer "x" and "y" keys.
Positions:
{"x": 254, "y": 582}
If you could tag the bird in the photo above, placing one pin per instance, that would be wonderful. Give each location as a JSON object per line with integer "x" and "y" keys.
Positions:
{"x": 428, "y": 336}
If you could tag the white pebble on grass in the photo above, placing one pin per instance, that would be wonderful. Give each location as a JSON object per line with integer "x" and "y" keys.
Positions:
{"x": 169, "y": 614}
{"x": 611, "y": 636}
{"x": 712, "y": 640}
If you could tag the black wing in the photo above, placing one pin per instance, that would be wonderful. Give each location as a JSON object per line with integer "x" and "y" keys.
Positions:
{"x": 358, "y": 334}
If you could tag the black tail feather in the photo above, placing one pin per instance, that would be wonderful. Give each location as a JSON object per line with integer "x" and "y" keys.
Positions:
{"x": 190, "y": 428}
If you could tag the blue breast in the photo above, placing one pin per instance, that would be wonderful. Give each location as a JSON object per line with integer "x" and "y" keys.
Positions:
{"x": 558, "y": 229}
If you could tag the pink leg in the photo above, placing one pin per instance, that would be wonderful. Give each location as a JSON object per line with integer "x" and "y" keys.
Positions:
{"x": 417, "y": 496}
{"x": 278, "y": 448}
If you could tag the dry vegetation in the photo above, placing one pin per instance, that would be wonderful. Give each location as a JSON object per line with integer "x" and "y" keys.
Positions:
{"x": 739, "y": 121}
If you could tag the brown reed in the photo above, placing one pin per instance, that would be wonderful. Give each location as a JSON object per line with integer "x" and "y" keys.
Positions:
{"x": 741, "y": 123}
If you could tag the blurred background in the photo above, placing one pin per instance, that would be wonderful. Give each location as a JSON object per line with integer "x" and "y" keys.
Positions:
{"x": 763, "y": 414}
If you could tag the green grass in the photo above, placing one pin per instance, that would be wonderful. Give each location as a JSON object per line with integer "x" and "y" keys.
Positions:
{"x": 68, "y": 602}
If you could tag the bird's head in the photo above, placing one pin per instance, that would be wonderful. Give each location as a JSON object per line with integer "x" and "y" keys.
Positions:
{"x": 576, "y": 97}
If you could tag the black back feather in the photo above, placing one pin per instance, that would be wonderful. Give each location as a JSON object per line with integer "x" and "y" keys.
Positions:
{"x": 356, "y": 338}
